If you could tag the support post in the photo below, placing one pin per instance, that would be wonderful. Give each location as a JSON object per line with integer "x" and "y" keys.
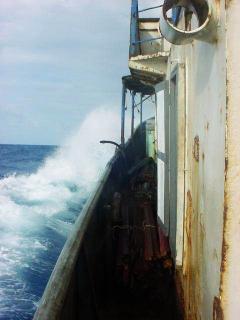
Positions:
{"x": 123, "y": 114}
{"x": 133, "y": 106}
{"x": 141, "y": 105}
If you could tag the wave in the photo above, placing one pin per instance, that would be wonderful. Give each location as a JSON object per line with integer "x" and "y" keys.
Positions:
{"x": 37, "y": 211}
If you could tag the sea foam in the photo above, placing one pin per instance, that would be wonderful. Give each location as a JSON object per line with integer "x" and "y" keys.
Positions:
{"x": 37, "y": 211}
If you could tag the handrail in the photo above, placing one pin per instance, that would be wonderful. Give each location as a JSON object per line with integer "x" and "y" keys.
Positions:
{"x": 58, "y": 284}
{"x": 150, "y": 8}
{"x": 135, "y": 41}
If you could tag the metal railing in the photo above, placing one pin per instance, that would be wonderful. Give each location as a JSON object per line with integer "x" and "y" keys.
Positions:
{"x": 135, "y": 41}
{"x": 150, "y": 8}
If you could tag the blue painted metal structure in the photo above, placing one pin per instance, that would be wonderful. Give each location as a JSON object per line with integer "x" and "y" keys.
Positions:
{"x": 135, "y": 41}
{"x": 134, "y": 48}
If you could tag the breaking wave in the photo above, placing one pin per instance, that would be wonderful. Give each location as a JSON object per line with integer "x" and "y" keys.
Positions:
{"x": 37, "y": 212}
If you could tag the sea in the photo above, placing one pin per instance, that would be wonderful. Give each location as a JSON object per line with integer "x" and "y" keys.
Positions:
{"x": 42, "y": 191}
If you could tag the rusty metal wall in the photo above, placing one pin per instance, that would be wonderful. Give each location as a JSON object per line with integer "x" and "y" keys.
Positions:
{"x": 201, "y": 190}
{"x": 229, "y": 305}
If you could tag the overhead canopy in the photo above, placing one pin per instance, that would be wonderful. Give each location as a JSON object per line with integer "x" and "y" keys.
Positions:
{"x": 137, "y": 86}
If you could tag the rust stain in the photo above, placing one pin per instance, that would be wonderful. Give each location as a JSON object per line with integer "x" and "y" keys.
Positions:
{"x": 195, "y": 235}
{"x": 219, "y": 314}
{"x": 203, "y": 156}
{"x": 189, "y": 216}
{"x": 224, "y": 244}
{"x": 227, "y": 3}
{"x": 196, "y": 148}
{"x": 217, "y": 309}
{"x": 218, "y": 4}
{"x": 187, "y": 263}
{"x": 226, "y": 166}
{"x": 190, "y": 272}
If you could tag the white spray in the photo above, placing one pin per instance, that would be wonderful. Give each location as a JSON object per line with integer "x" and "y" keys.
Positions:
{"x": 31, "y": 203}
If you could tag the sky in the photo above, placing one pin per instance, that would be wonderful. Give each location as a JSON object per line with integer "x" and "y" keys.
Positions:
{"x": 59, "y": 60}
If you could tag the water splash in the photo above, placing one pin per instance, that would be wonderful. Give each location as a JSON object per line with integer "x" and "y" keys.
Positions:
{"x": 37, "y": 212}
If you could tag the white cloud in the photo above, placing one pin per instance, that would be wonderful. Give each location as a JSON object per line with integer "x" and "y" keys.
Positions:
{"x": 61, "y": 58}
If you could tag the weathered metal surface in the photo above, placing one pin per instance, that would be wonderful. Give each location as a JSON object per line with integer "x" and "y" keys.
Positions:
{"x": 171, "y": 155}
{"x": 205, "y": 31}
{"x": 202, "y": 195}
{"x": 196, "y": 148}
{"x": 230, "y": 271}
{"x": 149, "y": 68}
{"x": 148, "y": 50}
{"x": 137, "y": 86}
{"x": 148, "y": 29}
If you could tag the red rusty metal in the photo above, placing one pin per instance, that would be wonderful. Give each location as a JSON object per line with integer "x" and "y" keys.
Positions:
{"x": 140, "y": 239}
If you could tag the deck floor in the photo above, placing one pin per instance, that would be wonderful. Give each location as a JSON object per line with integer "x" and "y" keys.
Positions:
{"x": 147, "y": 290}
{"x": 152, "y": 298}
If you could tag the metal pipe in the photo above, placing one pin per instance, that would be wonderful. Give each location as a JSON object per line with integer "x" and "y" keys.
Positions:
{"x": 111, "y": 142}
{"x": 120, "y": 147}
{"x": 141, "y": 105}
{"x": 123, "y": 114}
{"x": 150, "y": 8}
{"x": 133, "y": 106}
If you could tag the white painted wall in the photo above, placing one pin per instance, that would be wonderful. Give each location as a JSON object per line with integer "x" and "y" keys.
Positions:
{"x": 205, "y": 115}
{"x": 160, "y": 151}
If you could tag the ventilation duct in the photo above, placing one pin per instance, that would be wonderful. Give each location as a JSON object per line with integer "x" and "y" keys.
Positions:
{"x": 190, "y": 19}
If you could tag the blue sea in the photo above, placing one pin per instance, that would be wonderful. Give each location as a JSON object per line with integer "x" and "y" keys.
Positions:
{"x": 42, "y": 191}
{"x": 33, "y": 225}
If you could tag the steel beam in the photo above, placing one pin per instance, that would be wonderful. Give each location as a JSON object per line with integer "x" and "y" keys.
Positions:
{"x": 141, "y": 105}
{"x": 123, "y": 114}
{"x": 133, "y": 106}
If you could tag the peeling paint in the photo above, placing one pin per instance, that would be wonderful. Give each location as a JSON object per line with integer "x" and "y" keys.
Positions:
{"x": 196, "y": 148}
{"x": 205, "y": 111}
{"x": 224, "y": 244}
{"x": 191, "y": 272}
{"x": 217, "y": 310}
{"x": 230, "y": 275}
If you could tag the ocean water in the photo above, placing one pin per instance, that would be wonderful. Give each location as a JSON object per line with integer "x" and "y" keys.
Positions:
{"x": 42, "y": 191}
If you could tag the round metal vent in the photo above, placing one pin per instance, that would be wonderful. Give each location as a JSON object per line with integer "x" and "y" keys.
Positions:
{"x": 182, "y": 21}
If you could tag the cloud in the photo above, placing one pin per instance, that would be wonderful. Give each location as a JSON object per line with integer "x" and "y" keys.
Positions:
{"x": 59, "y": 59}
